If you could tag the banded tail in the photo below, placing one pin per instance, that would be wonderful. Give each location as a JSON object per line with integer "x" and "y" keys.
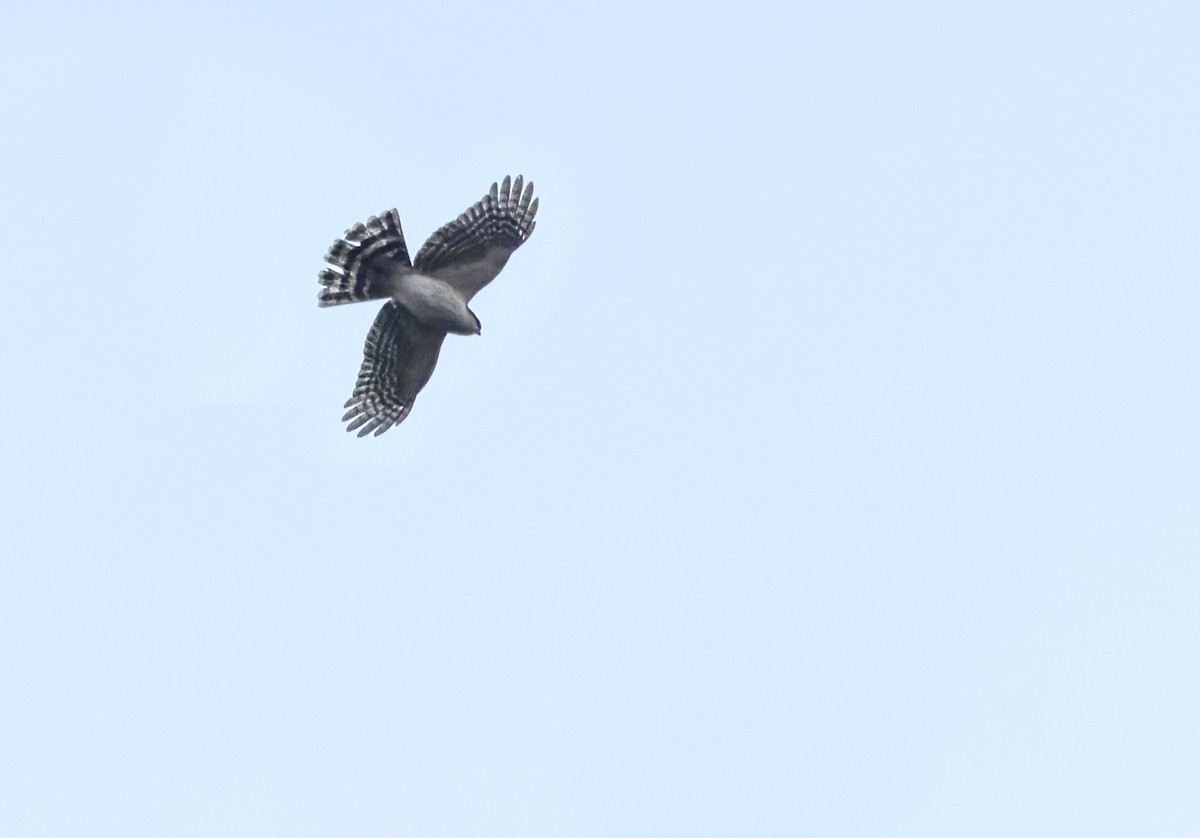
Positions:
{"x": 364, "y": 262}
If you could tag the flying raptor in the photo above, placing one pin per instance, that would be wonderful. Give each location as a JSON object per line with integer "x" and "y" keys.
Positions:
{"x": 426, "y": 298}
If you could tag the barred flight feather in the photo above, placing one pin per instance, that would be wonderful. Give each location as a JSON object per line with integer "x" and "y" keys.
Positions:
{"x": 502, "y": 220}
{"x": 363, "y": 260}
{"x": 398, "y": 360}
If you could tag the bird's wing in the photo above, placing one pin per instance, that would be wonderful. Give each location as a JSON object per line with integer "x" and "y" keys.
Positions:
{"x": 361, "y": 262}
{"x": 398, "y": 359}
{"x": 469, "y": 251}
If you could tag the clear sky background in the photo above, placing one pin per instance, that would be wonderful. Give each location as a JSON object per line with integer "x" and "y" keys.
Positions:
{"x": 827, "y": 466}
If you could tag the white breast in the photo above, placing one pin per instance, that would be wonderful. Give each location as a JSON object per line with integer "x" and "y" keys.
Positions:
{"x": 434, "y": 303}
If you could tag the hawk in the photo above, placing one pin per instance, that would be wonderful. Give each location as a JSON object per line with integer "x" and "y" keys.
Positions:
{"x": 426, "y": 298}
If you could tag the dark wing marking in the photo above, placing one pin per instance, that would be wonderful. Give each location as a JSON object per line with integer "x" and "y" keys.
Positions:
{"x": 469, "y": 251}
{"x": 362, "y": 261}
{"x": 398, "y": 360}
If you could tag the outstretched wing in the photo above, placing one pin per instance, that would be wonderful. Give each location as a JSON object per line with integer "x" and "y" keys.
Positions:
{"x": 398, "y": 359}
{"x": 362, "y": 261}
{"x": 469, "y": 251}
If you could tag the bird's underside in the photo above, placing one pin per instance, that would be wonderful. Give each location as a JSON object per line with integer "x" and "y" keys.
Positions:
{"x": 426, "y": 298}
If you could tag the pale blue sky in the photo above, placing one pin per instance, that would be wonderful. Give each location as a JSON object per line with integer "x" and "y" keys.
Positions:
{"x": 827, "y": 466}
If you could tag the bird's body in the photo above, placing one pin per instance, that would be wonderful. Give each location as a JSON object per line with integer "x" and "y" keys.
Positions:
{"x": 434, "y": 303}
{"x": 427, "y": 298}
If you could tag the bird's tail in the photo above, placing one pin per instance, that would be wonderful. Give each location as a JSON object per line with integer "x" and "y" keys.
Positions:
{"x": 363, "y": 263}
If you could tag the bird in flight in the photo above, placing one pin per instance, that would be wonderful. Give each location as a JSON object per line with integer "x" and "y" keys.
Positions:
{"x": 426, "y": 298}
